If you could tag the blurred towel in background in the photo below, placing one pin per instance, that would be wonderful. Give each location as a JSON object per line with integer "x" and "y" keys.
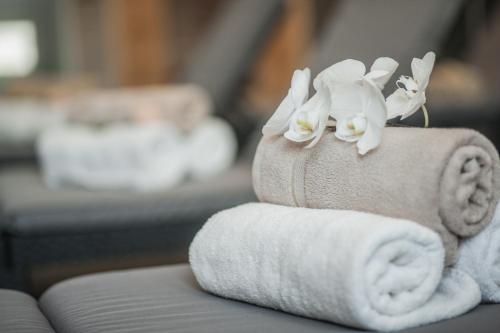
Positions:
{"x": 143, "y": 157}
{"x": 186, "y": 106}
{"x": 144, "y": 138}
{"x": 22, "y": 120}
{"x": 211, "y": 148}
{"x": 121, "y": 156}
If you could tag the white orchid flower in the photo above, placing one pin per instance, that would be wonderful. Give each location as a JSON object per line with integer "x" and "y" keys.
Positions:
{"x": 296, "y": 97}
{"x": 410, "y": 95}
{"x": 361, "y": 115}
{"x": 310, "y": 120}
{"x": 352, "y": 71}
{"x": 357, "y": 102}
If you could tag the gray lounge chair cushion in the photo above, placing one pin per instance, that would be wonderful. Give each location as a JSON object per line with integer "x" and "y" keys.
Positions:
{"x": 28, "y": 207}
{"x": 168, "y": 299}
{"x": 19, "y": 313}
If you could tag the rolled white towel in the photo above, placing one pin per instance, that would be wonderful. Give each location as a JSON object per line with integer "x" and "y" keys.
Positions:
{"x": 348, "y": 267}
{"x": 140, "y": 157}
{"x": 479, "y": 256}
{"x": 212, "y": 148}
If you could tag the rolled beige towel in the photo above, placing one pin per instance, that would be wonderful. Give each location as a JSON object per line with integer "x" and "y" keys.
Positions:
{"x": 445, "y": 179}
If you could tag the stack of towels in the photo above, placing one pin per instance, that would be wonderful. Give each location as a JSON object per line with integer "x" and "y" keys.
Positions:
{"x": 399, "y": 238}
{"x": 142, "y": 139}
{"x": 139, "y": 157}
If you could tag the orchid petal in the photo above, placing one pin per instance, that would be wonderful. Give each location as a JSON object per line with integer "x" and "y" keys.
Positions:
{"x": 374, "y": 106}
{"x": 310, "y": 112}
{"x": 343, "y": 132}
{"x": 279, "y": 120}
{"x": 296, "y": 137}
{"x": 371, "y": 139}
{"x": 366, "y": 126}
{"x": 346, "y": 100}
{"x": 422, "y": 68}
{"x": 397, "y": 103}
{"x": 382, "y": 70}
{"x": 408, "y": 83}
{"x": 300, "y": 86}
{"x": 347, "y": 71}
{"x": 297, "y": 95}
{"x": 384, "y": 64}
{"x": 323, "y": 108}
{"x": 316, "y": 100}
{"x": 414, "y": 104}
{"x": 321, "y": 125}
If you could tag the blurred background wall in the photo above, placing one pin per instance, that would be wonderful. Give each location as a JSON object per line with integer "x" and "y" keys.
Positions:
{"x": 131, "y": 43}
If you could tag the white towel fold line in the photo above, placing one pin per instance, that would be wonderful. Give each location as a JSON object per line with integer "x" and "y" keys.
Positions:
{"x": 347, "y": 267}
{"x": 479, "y": 256}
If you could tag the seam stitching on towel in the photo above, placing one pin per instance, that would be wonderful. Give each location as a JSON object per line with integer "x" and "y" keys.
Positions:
{"x": 256, "y": 176}
{"x": 298, "y": 179}
{"x": 293, "y": 181}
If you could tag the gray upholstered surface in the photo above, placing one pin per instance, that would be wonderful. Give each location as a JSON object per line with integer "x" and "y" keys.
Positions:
{"x": 168, "y": 299}
{"x": 343, "y": 37}
{"x": 19, "y": 313}
{"x": 28, "y": 207}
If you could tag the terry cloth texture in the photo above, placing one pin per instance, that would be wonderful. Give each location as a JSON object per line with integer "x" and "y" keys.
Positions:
{"x": 352, "y": 268}
{"x": 445, "y": 179}
{"x": 479, "y": 256}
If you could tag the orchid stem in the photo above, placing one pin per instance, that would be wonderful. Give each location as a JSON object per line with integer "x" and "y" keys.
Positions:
{"x": 426, "y": 116}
